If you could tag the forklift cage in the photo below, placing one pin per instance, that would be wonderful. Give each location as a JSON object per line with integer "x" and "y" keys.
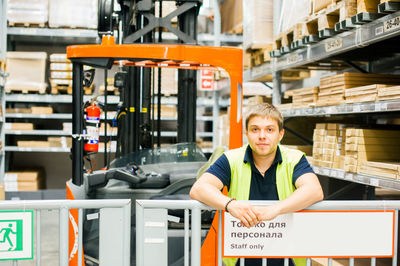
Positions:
{"x": 107, "y": 53}
{"x": 146, "y": 219}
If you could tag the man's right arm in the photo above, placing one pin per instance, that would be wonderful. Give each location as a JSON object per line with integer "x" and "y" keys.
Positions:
{"x": 207, "y": 189}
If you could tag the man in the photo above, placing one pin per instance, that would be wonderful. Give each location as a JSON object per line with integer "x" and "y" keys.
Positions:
{"x": 262, "y": 170}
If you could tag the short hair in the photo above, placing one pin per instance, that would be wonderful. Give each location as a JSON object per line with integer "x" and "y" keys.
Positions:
{"x": 264, "y": 109}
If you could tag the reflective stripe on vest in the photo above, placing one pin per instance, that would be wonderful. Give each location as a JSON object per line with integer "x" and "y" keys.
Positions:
{"x": 241, "y": 179}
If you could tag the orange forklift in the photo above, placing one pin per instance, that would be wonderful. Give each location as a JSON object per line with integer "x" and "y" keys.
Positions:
{"x": 139, "y": 170}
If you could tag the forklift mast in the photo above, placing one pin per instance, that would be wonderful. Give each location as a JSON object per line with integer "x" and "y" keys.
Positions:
{"x": 138, "y": 24}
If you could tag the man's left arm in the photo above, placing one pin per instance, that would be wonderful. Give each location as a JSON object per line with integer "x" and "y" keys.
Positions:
{"x": 308, "y": 191}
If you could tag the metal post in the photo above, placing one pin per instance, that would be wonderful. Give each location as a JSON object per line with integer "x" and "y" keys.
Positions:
{"x": 38, "y": 245}
{"x": 373, "y": 261}
{"x": 330, "y": 261}
{"x": 351, "y": 261}
{"x": 139, "y": 235}
{"x": 277, "y": 90}
{"x": 196, "y": 236}
{"x": 264, "y": 262}
{"x": 105, "y": 118}
{"x": 217, "y": 42}
{"x": 64, "y": 247}
{"x": 127, "y": 234}
{"x": 309, "y": 262}
{"x": 220, "y": 238}
{"x": 396, "y": 239}
{"x": 286, "y": 262}
{"x": 241, "y": 261}
{"x": 186, "y": 244}
{"x": 80, "y": 235}
{"x": 77, "y": 125}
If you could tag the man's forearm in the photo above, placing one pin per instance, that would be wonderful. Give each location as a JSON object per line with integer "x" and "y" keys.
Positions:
{"x": 209, "y": 195}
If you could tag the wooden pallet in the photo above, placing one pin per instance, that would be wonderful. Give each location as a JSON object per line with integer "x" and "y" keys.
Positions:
{"x": 238, "y": 29}
{"x": 27, "y": 24}
{"x": 25, "y": 90}
{"x": 62, "y": 89}
{"x": 260, "y": 55}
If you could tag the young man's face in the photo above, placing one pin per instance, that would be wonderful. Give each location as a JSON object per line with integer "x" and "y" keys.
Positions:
{"x": 263, "y": 135}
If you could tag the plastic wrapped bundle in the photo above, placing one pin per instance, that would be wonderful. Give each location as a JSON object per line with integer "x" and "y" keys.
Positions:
{"x": 27, "y": 12}
{"x": 73, "y": 13}
{"x": 257, "y": 23}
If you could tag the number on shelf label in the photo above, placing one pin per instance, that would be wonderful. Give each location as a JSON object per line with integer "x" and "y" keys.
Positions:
{"x": 340, "y": 174}
{"x": 391, "y": 24}
{"x": 333, "y": 44}
{"x": 374, "y": 182}
{"x": 378, "y": 30}
{"x": 293, "y": 59}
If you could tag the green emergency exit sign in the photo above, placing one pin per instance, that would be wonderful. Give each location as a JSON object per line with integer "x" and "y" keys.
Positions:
{"x": 16, "y": 235}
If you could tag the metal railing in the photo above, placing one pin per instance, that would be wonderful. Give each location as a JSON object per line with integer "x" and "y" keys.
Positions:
{"x": 112, "y": 213}
{"x": 160, "y": 219}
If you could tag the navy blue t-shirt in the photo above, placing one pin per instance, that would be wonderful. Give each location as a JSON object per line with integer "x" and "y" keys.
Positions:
{"x": 261, "y": 187}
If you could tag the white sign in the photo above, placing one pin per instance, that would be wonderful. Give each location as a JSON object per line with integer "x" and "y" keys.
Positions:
{"x": 16, "y": 235}
{"x": 313, "y": 234}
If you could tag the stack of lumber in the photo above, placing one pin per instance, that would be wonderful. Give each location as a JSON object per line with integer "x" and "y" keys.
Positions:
{"x": 304, "y": 97}
{"x": 19, "y": 126}
{"x": 33, "y": 110}
{"x": 332, "y": 88}
{"x": 61, "y": 75}
{"x": 110, "y": 88}
{"x": 328, "y": 145}
{"x": 366, "y": 93}
{"x": 26, "y": 180}
{"x": 382, "y": 169}
{"x": 370, "y": 145}
{"x": 388, "y": 93}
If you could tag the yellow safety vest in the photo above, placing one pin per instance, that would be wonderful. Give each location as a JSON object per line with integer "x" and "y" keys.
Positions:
{"x": 241, "y": 179}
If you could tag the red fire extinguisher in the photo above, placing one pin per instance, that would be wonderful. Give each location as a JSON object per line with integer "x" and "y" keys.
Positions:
{"x": 92, "y": 128}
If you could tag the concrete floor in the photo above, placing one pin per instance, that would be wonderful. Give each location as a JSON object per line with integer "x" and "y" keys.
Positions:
{"x": 49, "y": 241}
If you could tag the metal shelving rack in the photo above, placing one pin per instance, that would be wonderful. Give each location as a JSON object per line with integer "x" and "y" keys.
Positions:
{"x": 319, "y": 56}
{"x": 3, "y": 49}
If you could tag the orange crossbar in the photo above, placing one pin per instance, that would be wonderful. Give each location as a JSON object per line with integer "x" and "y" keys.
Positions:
{"x": 228, "y": 58}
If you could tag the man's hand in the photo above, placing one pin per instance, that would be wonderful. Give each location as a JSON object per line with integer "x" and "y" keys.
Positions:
{"x": 245, "y": 212}
{"x": 266, "y": 213}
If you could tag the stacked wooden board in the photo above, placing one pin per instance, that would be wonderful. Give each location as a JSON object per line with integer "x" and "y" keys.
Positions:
{"x": 328, "y": 148}
{"x": 368, "y": 93}
{"x": 28, "y": 180}
{"x": 332, "y": 89}
{"x": 370, "y": 145}
{"x": 382, "y": 169}
{"x": 388, "y": 93}
{"x": 304, "y": 97}
{"x": 61, "y": 75}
